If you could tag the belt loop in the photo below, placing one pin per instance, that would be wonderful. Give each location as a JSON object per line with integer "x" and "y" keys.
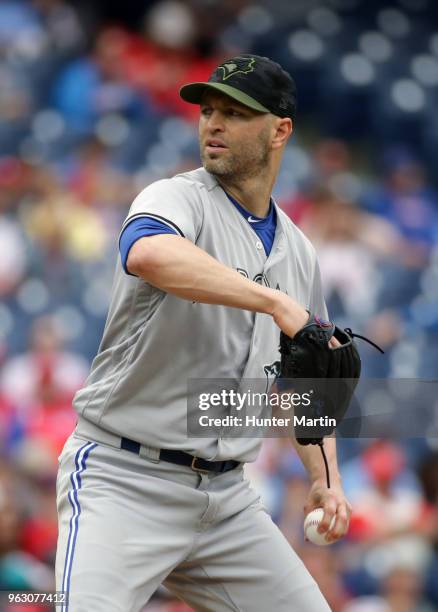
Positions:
{"x": 153, "y": 454}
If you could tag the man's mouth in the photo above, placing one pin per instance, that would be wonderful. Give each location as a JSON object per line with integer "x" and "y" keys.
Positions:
{"x": 215, "y": 145}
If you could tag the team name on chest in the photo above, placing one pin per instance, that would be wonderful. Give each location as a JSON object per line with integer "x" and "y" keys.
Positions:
{"x": 260, "y": 278}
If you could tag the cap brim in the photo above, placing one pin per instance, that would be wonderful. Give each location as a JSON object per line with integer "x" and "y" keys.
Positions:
{"x": 193, "y": 93}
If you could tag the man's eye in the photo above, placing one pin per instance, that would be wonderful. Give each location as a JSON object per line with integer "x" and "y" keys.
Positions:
{"x": 205, "y": 111}
{"x": 235, "y": 113}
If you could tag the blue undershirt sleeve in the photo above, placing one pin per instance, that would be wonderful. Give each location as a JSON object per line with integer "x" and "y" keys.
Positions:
{"x": 138, "y": 228}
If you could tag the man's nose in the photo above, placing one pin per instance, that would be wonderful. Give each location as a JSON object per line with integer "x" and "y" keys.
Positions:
{"x": 216, "y": 121}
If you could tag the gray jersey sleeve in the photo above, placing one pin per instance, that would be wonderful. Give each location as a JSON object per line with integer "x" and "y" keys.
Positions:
{"x": 317, "y": 303}
{"x": 175, "y": 203}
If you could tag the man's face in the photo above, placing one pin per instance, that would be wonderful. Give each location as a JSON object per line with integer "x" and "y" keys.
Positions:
{"x": 234, "y": 140}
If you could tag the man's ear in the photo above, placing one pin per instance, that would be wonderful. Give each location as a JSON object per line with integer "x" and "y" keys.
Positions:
{"x": 283, "y": 129}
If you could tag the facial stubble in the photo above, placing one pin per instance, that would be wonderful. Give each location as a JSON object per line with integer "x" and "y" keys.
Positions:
{"x": 246, "y": 160}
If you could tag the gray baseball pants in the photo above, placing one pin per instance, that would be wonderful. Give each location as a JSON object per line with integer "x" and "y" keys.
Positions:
{"x": 128, "y": 523}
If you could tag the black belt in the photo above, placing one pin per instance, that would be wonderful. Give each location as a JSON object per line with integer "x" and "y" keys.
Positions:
{"x": 198, "y": 464}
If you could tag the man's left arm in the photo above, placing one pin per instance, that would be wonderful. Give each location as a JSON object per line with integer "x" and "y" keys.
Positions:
{"x": 332, "y": 499}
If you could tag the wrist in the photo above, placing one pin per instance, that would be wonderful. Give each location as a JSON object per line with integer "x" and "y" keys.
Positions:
{"x": 320, "y": 479}
{"x": 287, "y": 313}
{"x": 271, "y": 300}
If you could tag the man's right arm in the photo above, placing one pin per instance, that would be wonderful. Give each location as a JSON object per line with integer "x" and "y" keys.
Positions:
{"x": 177, "y": 266}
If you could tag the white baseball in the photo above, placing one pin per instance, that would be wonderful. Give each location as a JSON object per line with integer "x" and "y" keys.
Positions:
{"x": 311, "y": 523}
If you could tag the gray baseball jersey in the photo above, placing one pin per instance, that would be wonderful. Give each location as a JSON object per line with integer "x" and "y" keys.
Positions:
{"x": 154, "y": 342}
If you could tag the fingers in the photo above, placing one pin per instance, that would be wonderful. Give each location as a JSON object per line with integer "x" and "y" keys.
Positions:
{"x": 329, "y": 513}
{"x": 334, "y": 342}
{"x": 342, "y": 512}
{"x": 340, "y": 527}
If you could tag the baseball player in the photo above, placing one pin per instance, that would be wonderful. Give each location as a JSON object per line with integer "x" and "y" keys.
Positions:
{"x": 210, "y": 271}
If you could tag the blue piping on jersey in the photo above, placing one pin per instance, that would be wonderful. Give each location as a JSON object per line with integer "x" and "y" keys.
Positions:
{"x": 264, "y": 227}
{"x": 75, "y": 479}
{"x": 164, "y": 220}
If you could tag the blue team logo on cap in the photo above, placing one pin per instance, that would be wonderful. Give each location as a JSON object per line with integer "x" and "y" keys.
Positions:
{"x": 237, "y": 65}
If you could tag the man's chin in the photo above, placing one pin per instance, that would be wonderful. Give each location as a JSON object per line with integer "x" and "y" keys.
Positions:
{"x": 215, "y": 166}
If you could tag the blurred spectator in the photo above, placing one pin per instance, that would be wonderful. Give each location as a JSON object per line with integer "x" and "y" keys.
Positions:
{"x": 92, "y": 86}
{"x": 391, "y": 521}
{"x": 60, "y": 224}
{"x": 18, "y": 570}
{"x": 18, "y": 22}
{"x": 62, "y": 24}
{"x": 341, "y": 231}
{"x": 13, "y": 256}
{"x": 46, "y": 373}
{"x": 428, "y": 474}
{"x": 157, "y": 67}
{"x": 40, "y": 385}
{"x": 39, "y": 532}
{"x": 405, "y": 199}
{"x": 6, "y": 424}
{"x": 62, "y": 234}
{"x": 106, "y": 190}
{"x": 401, "y": 591}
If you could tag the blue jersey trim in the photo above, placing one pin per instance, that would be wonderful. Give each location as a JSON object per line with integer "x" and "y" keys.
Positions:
{"x": 139, "y": 227}
{"x": 76, "y": 482}
{"x": 264, "y": 227}
{"x": 166, "y": 222}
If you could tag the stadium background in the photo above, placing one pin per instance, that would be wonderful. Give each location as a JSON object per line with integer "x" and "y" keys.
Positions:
{"x": 90, "y": 114}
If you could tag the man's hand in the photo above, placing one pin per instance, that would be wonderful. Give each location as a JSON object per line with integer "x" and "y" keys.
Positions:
{"x": 334, "y": 502}
{"x": 290, "y": 316}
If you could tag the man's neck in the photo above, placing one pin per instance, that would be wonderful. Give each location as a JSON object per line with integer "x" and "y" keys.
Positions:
{"x": 252, "y": 194}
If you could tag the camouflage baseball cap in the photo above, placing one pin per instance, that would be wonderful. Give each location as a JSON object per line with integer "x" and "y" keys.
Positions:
{"x": 254, "y": 81}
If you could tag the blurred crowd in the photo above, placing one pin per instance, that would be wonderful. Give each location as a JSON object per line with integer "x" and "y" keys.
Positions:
{"x": 90, "y": 115}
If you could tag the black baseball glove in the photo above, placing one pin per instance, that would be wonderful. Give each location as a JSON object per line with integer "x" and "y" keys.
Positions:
{"x": 334, "y": 374}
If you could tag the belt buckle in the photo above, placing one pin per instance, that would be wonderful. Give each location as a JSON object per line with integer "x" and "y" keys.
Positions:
{"x": 198, "y": 469}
